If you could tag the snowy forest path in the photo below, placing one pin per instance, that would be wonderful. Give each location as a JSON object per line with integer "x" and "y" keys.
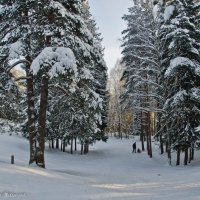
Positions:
{"x": 110, "y": 171}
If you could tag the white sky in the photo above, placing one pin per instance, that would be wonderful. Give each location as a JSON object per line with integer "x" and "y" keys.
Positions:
{"x": 108, "y": 14}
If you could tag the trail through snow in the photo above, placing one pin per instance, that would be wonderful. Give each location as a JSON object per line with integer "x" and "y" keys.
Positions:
{"x": 110, "y": 171}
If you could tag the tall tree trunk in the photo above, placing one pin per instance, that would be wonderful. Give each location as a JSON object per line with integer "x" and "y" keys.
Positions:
{"x": 169, "y": 156}
{"x": 166, "y": 146}
{"x": 192, "y": 157}
{"x": 142, "y": 133}
{"x": 31, "y": 117}
{"x": 154, "y": 124}
{"x": 191, "y": 152}
{"x": 63, "y": 144}
{"x": 81, "y": 148}
{"x": 119, "y": 128}
{"x": 57, "y": 143}
{"x": 52, "y": 142}
{"x": 71, "y": 151}
{"x": 168, "y": 152}
{"x": 30, "y": 100}
{"x": 142, "y": 140}
{"x": 147, "y": 140}
{"x": 75, "y": 144}
{"x": 161, "y": 144}
{"x": 140, "y": 137}
{"x": 149, "y": 135}
{"x": 158, "y": 126}
{"x": 145, "y": 131}
{"x": 186, "y": 157}
{"x": 42, "y": 122}
{"x": 150, "y": 147}
{"x": 86, "y": 148}
{"x": 178, "y": 156}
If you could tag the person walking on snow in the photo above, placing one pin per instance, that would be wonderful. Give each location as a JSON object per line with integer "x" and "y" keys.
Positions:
{"x": 134, "y": 147}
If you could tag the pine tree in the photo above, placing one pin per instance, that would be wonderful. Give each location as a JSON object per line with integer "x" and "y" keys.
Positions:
{"x": 141, "y": 55}
{"x": 74, "y": 34}
{"x": 99, "y": 70}
{"x": 38, "y": 25}
{"x": 181, "y": 75}
{"x": 9, "y": 97}
{"x": 15, "y": 44}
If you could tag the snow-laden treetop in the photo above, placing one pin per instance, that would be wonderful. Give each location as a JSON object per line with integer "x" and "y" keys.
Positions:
{"x": 181, "y": 62}
{"x": 59, "y": 60}
{"x": 169, "y": 10}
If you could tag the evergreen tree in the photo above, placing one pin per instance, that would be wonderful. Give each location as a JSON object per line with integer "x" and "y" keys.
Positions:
{"x": 181, "y": 75}
{"x": 9, "y": 97}
{"x": 40, "y": 24}
{"x": 73, "y": 32}
{"x": 99, "y": 70}
{"x": 141, "y": 55}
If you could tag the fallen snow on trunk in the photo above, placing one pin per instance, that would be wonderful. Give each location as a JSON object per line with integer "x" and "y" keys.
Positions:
{"x": 109, "y": 172}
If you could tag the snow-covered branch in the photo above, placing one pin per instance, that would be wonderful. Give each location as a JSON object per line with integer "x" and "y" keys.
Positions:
{"x": 55, "y": 61}
{"x": 24, "y": 61}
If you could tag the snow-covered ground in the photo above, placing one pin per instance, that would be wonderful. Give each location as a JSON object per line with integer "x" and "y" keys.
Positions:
{"x": 110, "y": 171}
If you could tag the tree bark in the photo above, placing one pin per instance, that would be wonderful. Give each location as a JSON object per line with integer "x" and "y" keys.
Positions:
{"x": 166, "y": 146}
{"x": 57, "y": 143}
{"x": 149, "y": 134}
{"x": 178, "y": 156}
{"x": 75, "y": 144}
{"x": 52, "y": 142}
{"x": 63, "y": 145}
{"x": 71, "y": 151}
{"x": 30, "y": 100}
{"x": 150, "y": 147}
{"x": 192, "y": 157}
{"x": 161, "y": 145}
{"x": 147, "y": 144}
{"x": 191, "y": 153}
{"x": 31, "y": 117}
{"x": 142, "y": 140}
{"x": 186, "y": 157}
{"x": 42, "y": 122}
{"x": 81, "y": 148}
{"x": 86, "y": 148}
{"x": 119, "y": 128}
